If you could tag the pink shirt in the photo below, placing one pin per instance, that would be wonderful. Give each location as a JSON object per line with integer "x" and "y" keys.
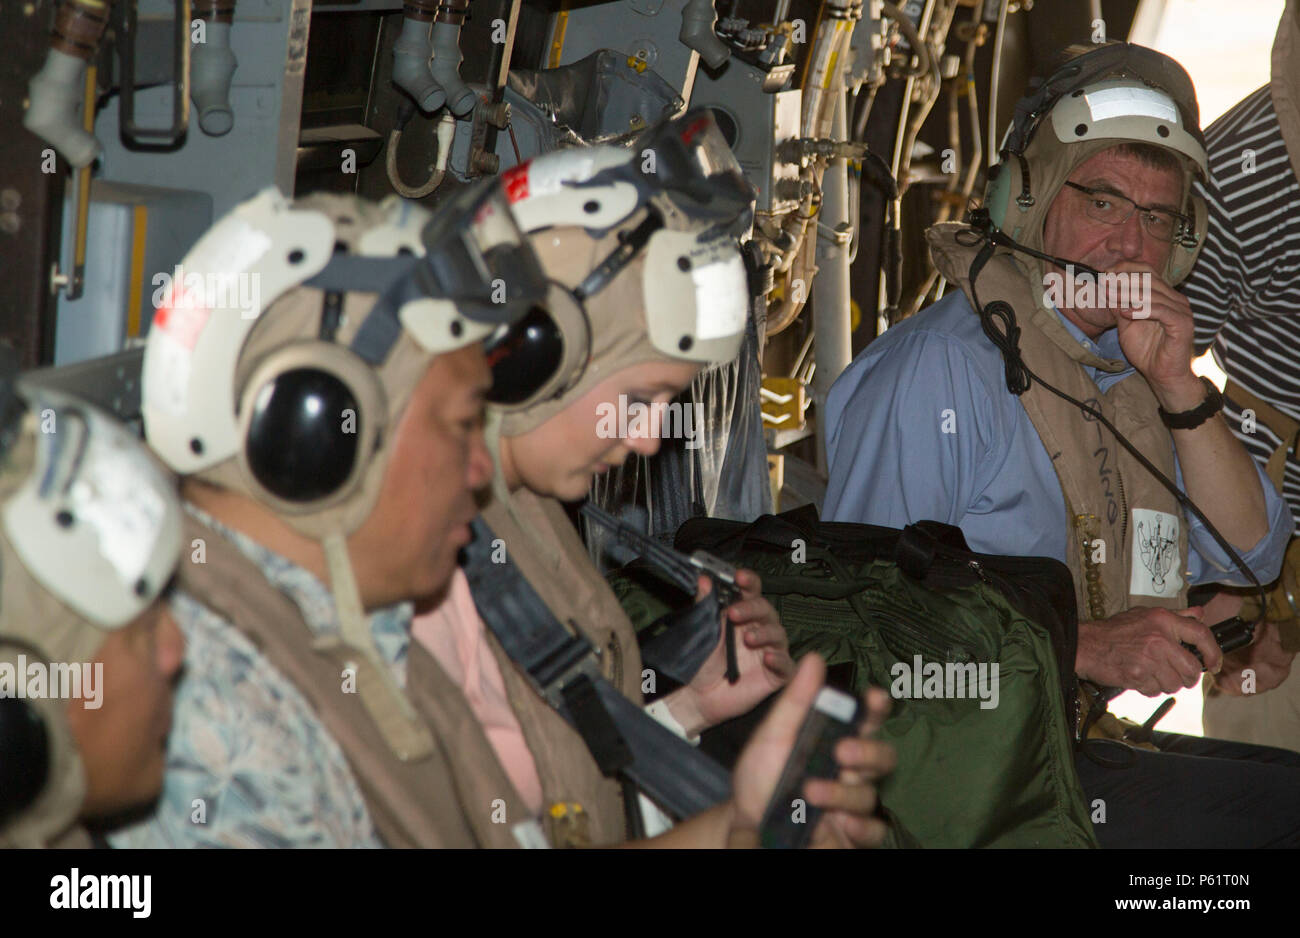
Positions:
{"x": 455, "y": 635}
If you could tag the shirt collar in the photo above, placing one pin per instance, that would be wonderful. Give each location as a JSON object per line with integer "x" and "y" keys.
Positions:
{"x": 1106, "y": 345}
{"x": 390, "y": 625}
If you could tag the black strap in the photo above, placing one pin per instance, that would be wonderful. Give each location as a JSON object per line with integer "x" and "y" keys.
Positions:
{"x": 390, "y": 277}
{"x": 919, "y": 542}
{"x": 690, "y": 637}
{"x": 596, "y": 726}
{"x": 563, "y": 668}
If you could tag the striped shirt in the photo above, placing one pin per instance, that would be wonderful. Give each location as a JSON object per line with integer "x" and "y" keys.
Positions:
{"x": 1245, "y": 287}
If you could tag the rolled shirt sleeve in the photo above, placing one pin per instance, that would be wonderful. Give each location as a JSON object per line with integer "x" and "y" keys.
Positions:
{"x": 1207, "y": 562}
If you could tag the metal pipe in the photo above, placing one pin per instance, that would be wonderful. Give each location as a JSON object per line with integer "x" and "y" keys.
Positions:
{"x": 998, "y": 42}
{"x": 698, "y": 17}
{"x": 446, "y": 57}
{"x": 832, "y": 342}
{"x": 212, "y": 65}
{"x": 55, "y": 94}
{"x": 412, "y": 71}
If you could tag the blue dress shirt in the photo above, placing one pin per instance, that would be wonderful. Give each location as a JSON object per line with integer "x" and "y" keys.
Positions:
{"x": 892, "y": 463}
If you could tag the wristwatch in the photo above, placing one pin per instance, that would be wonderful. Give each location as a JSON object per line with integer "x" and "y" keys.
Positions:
{"x": 1190, "y": 419}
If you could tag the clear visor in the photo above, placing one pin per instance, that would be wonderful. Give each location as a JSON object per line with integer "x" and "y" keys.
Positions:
{"x": 478, "y": 256}
{"x": 690, "y": 162}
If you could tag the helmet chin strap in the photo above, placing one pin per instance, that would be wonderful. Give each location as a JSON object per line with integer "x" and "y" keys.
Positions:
{"x": 399, "y": 724}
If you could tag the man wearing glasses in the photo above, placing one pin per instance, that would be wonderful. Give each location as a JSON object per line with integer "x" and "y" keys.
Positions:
{"x": 1088, "y": 224}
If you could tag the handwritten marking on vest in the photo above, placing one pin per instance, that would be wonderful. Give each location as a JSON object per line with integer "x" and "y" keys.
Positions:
{"x": 498, "y": 810}
{"x": 948, "y": 681}
{"x": 103, "y": 891}
{"x": 949, "y": 420}
{"x": 1248, "y": 681}
{"x": 798, "y": 551}
{"x": 1098, "y": 811}
{"x": 799, "y": 814}
{"x": 1248, "y": 421}
{"x": 1103, "y": 471}
{"x": 1103, "y": 476}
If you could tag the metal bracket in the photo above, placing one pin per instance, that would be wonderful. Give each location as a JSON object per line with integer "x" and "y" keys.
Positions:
{"x": 132, "y": 133}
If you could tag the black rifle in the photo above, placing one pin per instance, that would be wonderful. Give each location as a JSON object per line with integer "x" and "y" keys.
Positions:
{"x": 680, "y": 569}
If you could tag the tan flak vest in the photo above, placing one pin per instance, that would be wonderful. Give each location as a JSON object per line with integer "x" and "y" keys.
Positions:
{"x": 543, "y": 544}
{"x": 457, "y": 796}
{"x": 1115, "y": 509}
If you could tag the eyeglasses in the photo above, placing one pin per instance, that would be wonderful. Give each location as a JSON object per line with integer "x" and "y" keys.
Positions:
{"x": 1111, "y": 208}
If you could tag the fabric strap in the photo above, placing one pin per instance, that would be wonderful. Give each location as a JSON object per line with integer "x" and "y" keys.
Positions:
{"x": 562, "y": 666}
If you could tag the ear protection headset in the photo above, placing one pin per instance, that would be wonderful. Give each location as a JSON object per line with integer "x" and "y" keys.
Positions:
{"x": 24, "y": 757}
{"x": 1110, "y": 94}
{"x": 685, "y": 176}
{"x": 306, "y": 419}
{"x": 312, "y": 416}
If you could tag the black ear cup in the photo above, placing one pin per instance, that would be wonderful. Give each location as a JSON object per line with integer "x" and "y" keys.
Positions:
{"x": 304, "y": 435}
{"x": 524, "y": 357}
{"x": 24, "y": 757}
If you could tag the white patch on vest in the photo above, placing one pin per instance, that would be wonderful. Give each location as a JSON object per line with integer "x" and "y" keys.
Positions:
{"x": 1156, "y": 560}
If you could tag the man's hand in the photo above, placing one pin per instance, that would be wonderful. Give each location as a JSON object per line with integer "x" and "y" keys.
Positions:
{"x": 849, "y": 801}
{"x": 1264, "y": 656}
{"x": 762, "y": 655}
{"x": 1157, "y": 333}
{"x": 1139, "y": 649}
